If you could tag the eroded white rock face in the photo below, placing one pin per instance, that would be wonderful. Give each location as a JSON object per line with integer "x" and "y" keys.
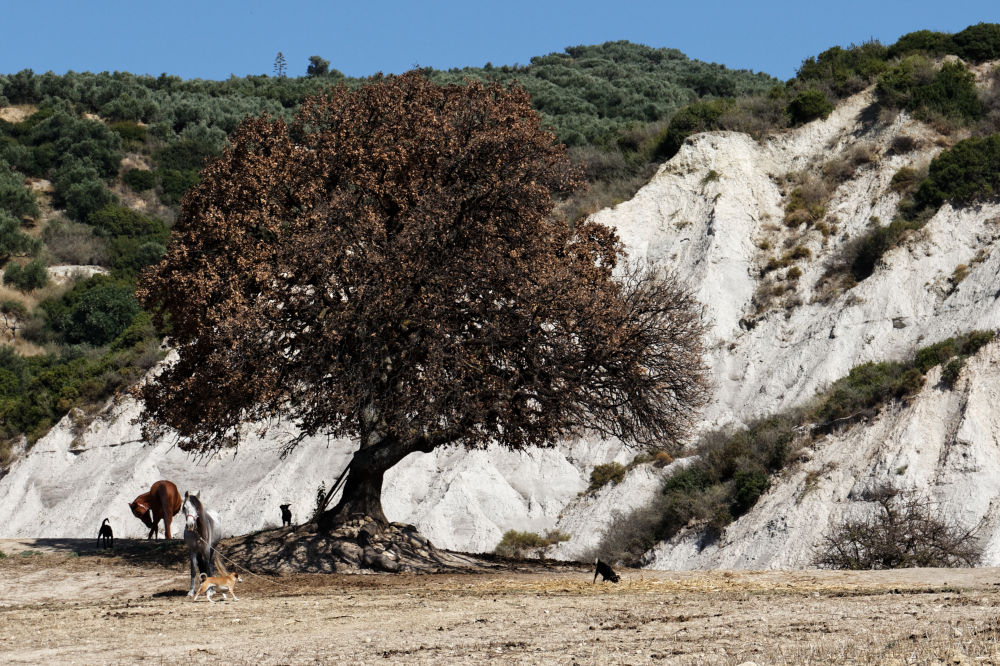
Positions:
{"x": 68, "y": 483}
{"x": 708, "y": 229}
{"x": 466, "y": 500}
{"x": 65, "y": 273}
{"x": 943, "y": 445}
{"x": 706, "y": 214}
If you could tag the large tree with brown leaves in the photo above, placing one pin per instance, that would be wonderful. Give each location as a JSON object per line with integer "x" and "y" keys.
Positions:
{"x": 385, "y": 267}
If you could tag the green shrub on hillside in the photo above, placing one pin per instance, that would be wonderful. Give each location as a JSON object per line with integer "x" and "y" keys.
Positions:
{"x": 130, "y": 132}
{"x": 100, "y": 315}
{"x": 867, "y": 387}
{"x": 13, "y": 241}
{"x": 692, "y": 119}
{"x": 808, "y": 105}
{"x": 80, "y": 190}
{"x": 967, "y": 173}
{"x": 844, "y": 71}
{"x": 978, "y": 43}
{"x": 318, "y": 66}
{"x": 867, "y": 250}
{"x": 15, "y": 198}
{"x": 58, "y": 138}
{"x": 115, "y": 220}
{"x": 602, "y": 475}
{"x": 128, "y": 109}
{"x": 951, "y": 372}
{"x": 916, "y": 86}
{"x": 29, "y": 277}
{"x": 189, "y": 153}
{"x": 176, "y": 183}
{"x": 94, "y": 311}
{"x": 139, "y": 179}
{"x": 927, "y": 42}
{"x": 748, "y": 486}
{"x": 135, "y": 240}
{"x": 130, "y": 255}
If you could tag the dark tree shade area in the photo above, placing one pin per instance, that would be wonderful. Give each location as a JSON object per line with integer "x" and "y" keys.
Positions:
{"x": 385, "y": 267}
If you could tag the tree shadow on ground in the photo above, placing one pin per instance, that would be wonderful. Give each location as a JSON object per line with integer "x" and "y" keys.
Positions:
{"x": 361, "y": 546}
{"x": 357, "y": 547}
{"x": 134, "y": 551}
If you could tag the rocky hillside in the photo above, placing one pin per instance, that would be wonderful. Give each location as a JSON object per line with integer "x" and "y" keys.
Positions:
{"x": 716, "y": 212}
{"x": 781, "y": 330}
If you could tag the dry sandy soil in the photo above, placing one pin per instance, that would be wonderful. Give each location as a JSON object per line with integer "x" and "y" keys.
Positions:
{"x": 63, "y": 602}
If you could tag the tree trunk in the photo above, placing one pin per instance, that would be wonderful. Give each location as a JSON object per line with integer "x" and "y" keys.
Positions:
{"x": 362, "y": 497}
{"x": 362, "y": 494}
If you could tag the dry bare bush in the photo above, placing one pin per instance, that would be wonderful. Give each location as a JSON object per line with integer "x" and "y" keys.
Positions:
{"x": 757, "y": 115}
{"x": 74, "y": 243}
{"x": 519, "y": 545}
{"x": 903, "y": 531}
{"x": 806, "y": 203}
{"x": 902, "y": 144}
{"x": 841, "y": 169}
{"x": 602, "y": 194}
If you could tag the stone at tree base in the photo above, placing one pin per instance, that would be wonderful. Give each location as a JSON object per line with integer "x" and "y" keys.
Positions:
{"x": 346, "y": 551}
{"x": 359, "y": 546}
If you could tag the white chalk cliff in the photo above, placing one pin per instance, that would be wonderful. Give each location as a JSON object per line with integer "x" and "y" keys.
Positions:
{"x": 706, "y": 213}
{"x": 943, "y": 443}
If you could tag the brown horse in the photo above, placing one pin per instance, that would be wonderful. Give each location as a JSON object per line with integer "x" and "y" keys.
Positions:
{"x": 160, "y": 503}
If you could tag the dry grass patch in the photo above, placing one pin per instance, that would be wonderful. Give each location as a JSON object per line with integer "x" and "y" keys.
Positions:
{"x": 17, "y": 113}
{"x": 555, "y": 614}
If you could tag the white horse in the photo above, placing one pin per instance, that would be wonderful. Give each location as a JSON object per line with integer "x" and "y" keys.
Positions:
{"x": 201, "y": 534}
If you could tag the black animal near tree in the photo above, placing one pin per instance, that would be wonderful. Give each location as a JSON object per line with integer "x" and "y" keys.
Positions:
{"x": 386, "y": 267}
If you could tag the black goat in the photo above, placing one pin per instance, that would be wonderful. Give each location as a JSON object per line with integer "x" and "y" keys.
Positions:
{"x": 106, "y": 534}
{"x": 607, "y": 573}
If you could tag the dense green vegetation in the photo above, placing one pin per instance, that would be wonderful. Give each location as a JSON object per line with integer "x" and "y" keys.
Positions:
{"x": 13, "y": 241}
{"x": 733, "y": 469}
{"x": 588, "y": 93}
{"x": 916, "y": 85}
{"x": 907, "y": 77}
{"x": 967, "y": 173}
{"x": 36, "y": 391}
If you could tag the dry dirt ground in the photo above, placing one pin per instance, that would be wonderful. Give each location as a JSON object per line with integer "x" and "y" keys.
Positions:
{"x": 63, "y": 602}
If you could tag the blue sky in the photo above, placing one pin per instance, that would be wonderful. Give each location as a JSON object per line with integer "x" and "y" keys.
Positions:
{"x": 214, "y": 39}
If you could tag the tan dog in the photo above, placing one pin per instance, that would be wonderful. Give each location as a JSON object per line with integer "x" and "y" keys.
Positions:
{"x": 218, "y": 584}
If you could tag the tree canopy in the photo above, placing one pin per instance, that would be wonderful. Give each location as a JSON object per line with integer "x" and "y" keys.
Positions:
{"x": 386, "y": 267}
